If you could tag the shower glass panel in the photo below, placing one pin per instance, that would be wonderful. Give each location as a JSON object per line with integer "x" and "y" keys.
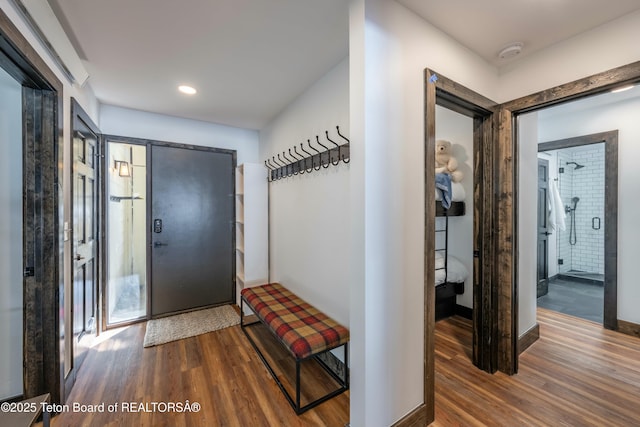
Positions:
{"x": 581, "y": 185}
{"x": 126, "y": 206}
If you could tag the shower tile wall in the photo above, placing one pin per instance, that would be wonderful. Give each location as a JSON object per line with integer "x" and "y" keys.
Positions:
{"x": 588, "y": 184}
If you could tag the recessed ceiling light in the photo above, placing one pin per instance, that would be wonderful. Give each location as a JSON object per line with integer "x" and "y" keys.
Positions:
{"x": 187, "y": 89}
{"x": 622, "y": 89}
{"x": 511, "y": 50}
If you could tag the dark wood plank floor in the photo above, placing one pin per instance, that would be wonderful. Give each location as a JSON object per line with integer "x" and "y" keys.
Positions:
{"x": 219, "y": 370}
{"x": 576, "y": 374}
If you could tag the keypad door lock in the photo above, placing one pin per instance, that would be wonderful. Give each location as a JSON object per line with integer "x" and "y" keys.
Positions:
{"x": 157, "y": 225}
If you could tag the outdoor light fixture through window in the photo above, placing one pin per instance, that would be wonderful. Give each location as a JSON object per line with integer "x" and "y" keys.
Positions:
{"x": 123, "y": 168}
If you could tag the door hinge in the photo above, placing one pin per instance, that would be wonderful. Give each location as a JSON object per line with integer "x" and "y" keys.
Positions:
{"x": 29, "y": 272}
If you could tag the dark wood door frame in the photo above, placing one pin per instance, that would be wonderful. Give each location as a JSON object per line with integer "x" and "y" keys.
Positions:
{"x": 106, "y": 138}
{"x": 495, "y": 239}
{"x": 43, "y": 197}
{"x": 610, "y": 140}
{"x": 506, "y": 173}
{"x": 439, "y": 90}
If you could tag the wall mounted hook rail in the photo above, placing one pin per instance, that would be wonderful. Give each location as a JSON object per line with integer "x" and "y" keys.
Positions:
{"x": 300, "y": 162}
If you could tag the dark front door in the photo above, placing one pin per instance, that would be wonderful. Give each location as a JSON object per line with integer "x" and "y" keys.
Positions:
{"x": 543, "y": 228}
{"x": 192, "y": 218}
{"x": 85, "y": 245}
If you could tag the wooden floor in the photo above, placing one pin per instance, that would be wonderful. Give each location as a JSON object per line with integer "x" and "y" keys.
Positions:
{"x": 219, "y": 370}
{"x": 577, "y": 374}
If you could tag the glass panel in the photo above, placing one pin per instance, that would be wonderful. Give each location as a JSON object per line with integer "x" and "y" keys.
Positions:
{"x": 90, "y": 210}
{"x": 581, "y": 244}
{"x": 91, "y": 155}
{"x": 78, "y": 217}
{"x": 126, "y": 234}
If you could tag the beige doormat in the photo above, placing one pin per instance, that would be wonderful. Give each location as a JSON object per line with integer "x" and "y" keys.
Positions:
{"x": 185, "y": 325}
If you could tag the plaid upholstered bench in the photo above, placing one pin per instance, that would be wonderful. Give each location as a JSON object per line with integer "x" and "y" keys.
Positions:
{"x": 303, "y": 330}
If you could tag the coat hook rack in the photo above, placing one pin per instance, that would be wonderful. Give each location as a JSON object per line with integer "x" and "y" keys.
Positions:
{"x": 297, "y": 162}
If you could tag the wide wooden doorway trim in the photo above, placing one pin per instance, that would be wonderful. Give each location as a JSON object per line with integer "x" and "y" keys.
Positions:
{"x": 440, "y": 90}
{"x": 507, "y": 180}
{"x": 43, "y": 296}
{"x": 610, "y": 140}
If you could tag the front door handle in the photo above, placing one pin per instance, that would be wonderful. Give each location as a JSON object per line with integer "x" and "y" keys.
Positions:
{"x": 158, "y": 244}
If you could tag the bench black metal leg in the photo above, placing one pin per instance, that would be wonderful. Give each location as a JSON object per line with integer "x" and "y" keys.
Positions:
{"x": 297, "y": 408}
{"x": 296, "y": 405}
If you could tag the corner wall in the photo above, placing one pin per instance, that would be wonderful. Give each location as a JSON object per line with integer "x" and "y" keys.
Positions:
{"x": 390, "y": 47}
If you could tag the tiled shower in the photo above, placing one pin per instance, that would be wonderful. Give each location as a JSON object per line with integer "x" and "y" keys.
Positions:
{"x": 581, "y": 175}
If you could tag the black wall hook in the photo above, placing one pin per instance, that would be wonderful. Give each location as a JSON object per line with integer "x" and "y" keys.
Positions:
{"x": 284, "y": 169}
{"x": 290, "y": 170}
{"x": 348, "y": 142}
{"x": 319, "y": 156}
{"x": 309, "y": 156}
{"x": 325, "y": 149}
{"x": 297, "y": 162}
{"x": 337, "y": 146}
{"x": 278, "y": 173}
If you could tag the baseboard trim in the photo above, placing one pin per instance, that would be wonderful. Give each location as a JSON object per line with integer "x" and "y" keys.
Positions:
{"x": 415, "y": 418}
{"x": 463, "y": 311}
{"x": 13, "y": 399}
{"x": 528, "y": 338}
{"x": 629, "y": 328}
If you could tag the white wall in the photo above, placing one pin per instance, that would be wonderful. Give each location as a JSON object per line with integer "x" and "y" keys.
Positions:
{"x": 527, "y": 220}
{"x": 309, "y": 213}
{"x": 10, "y": 237}
{"x": 458, "y": 129}
{"x": 141, "y": 124}
{"x": 609, "y": 46}
{"x": 624, "y": 117}
{"x": 390, "y": 47}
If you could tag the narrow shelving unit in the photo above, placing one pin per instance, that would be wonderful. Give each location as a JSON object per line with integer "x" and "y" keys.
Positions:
{"x": 252, "y": 224}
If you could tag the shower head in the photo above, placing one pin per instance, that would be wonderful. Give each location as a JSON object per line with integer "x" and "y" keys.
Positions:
{"x": 577, "y": 166}
{"x": 575, "y": 201}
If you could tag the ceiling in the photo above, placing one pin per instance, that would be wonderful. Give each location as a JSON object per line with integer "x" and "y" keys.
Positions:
{"x": 487, "y": 26}
{"x": 249, "y": 59}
